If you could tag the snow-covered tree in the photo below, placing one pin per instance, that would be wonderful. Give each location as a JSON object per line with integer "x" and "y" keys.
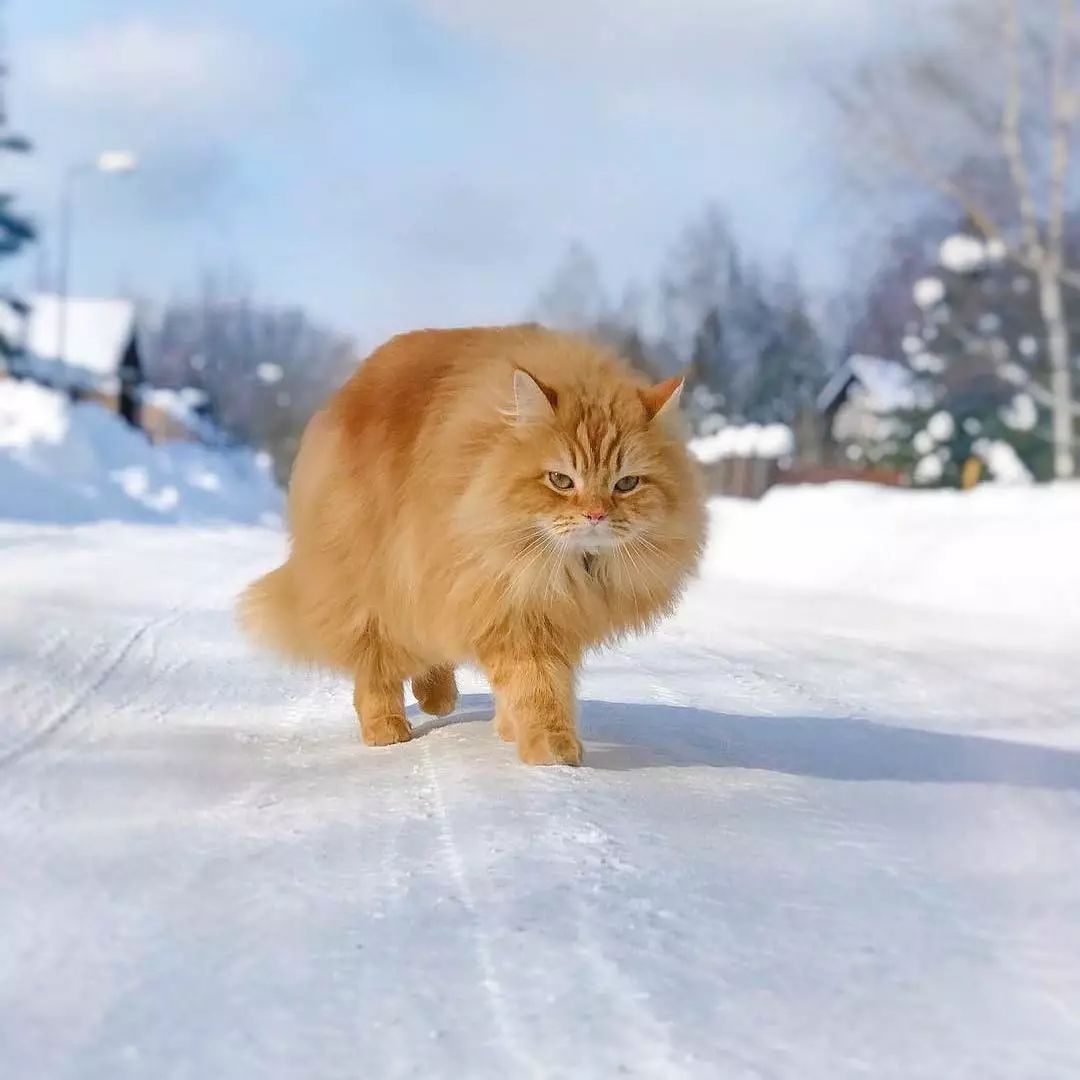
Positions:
{"x": 975, "y": 348}
{"x": 928, "y": 111}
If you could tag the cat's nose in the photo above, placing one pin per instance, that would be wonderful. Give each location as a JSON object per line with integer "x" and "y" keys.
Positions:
{"x": 595, "y": 514}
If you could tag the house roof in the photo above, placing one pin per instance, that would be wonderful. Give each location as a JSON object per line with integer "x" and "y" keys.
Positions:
{"x": 98, "y": 332}
{"x": 887, "y": 384}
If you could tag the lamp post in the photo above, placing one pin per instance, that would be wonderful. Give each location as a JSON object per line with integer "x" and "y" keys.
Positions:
{"x": 111, "y": 162}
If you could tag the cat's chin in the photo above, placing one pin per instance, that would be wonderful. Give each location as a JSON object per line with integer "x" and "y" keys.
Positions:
{"x": 591, "y": 542}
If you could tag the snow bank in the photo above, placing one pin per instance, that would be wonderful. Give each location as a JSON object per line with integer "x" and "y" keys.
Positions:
{"x": 746, "y": 440}
{"x": 69, "y": 463}
{"x": 1002, "y": 551}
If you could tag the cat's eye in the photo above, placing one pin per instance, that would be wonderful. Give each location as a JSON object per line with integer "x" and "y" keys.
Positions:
{"x": 560, "y": 481}
{"x": 627, "y": 483}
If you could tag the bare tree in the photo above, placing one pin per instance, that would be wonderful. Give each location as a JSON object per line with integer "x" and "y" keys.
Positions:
{"x": 1000, "y": 89}
{"x": 264, "y": 369}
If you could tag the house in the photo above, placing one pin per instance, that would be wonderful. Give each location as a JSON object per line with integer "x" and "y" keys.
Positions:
{"x": 102, "y": 362}
{"x": 862, "y": 392}
{"x": 101, "y": 359}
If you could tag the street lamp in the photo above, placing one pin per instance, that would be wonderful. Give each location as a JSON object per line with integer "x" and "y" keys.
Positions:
{"x": 110, "y": 162}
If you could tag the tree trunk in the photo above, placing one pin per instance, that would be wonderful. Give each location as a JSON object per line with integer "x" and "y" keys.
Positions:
{"x": 1057, "y": 333}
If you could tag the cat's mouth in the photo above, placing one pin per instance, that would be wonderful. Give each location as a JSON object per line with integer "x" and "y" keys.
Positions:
{"x": 590, "y": 538}
{"x": 572, "y": 539}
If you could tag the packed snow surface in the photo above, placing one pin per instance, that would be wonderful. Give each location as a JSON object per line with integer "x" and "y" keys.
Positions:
{"x": 828, "y": 825}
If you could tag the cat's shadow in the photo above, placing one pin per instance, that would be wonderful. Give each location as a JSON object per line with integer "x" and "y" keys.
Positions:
{"x": 658, "y": 736}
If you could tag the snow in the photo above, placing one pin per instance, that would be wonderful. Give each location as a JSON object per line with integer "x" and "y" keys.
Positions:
{"x": 1028, "y": 346}
{"x": 270, "y": 373}
{"x": 76, "y": 463}
{"x": 183, "y": 404}
{"x": 928, "y": 469}
{"x": 928, "y": 362}
{"x": 962, "y": 254}
{"x": 928, "y": 291}
{"x": 1002, "y": 461}
{"x": 941, "y": 426}
{"x": 747, "y": 440}
{"x": 1014, "y": 373}
{"x": 828, "y": 826}
{"x": 1021, "y": 413}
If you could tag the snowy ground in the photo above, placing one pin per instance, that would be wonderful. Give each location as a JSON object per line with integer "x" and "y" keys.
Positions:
{"x": 829, "y": 825}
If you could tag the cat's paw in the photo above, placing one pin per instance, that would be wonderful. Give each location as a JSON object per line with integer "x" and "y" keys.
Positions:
{"x": 385, "y": 730}
{"x": 504, "y": 727}
{"x": 436, "y": 691}
{"x": 550, "y": 748}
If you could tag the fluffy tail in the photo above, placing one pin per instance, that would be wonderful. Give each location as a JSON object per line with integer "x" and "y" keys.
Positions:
{"x": 269, "y": 613}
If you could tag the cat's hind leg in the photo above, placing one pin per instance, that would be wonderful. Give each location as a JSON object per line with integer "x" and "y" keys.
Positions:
{"x": 436, "y": 690}
{"x": 378, "y": 694}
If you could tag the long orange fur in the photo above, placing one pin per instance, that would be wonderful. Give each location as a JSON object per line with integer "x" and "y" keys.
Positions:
{"x": 428, "y": 531}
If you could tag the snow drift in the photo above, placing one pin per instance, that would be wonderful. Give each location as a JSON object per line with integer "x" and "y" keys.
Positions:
{"x": 1007, "y": 552}
{"x": 66, "y": 464}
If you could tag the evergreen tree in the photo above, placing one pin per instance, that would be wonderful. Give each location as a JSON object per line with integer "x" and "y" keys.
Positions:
{"x": 16, "y": 229}
{"x": 710, "y": 364}
{"x": 791, "y": 366}
{"x": 976, "y": 348}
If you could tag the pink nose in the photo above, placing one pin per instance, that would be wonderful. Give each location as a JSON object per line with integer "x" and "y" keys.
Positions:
{"x": 595, "y": 514}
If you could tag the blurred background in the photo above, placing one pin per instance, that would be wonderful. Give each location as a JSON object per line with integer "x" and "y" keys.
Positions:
{"x": 853, "y": 223}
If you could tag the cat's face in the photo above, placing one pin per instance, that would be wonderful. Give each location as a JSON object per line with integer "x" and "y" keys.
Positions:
{"x": 594, "y": 475}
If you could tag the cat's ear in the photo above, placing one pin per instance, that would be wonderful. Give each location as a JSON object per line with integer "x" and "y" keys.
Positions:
{"x": 663, "y": 398}
{"x": 532, "y": 401}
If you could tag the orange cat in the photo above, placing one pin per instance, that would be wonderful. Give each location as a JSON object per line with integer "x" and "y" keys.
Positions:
{"x": 508, "y": 497}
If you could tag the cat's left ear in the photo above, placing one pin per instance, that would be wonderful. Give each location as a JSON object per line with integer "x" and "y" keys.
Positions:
{"x": 663, "y": 398}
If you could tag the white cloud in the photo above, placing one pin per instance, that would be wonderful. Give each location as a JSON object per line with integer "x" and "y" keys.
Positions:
{"x": 143, "y": 65}
{"x": 649, "y": 40}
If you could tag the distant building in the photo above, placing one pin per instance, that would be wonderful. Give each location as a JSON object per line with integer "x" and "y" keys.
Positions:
{"x": 862, "y": 391}
{"x": 102, "y": 362}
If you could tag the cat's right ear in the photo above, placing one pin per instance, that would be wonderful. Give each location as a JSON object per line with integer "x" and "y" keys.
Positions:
{"x": 532, "y": 402}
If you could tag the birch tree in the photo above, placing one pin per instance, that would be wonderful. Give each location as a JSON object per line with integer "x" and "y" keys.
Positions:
{"x": 998, "y": 88}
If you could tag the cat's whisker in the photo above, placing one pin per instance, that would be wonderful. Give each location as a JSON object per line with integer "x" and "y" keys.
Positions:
{"x": 647, "y": 559}
{"x": 540, "y": 549}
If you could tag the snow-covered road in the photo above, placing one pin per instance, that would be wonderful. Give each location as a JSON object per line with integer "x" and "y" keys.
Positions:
{"x": 820, "y": 834}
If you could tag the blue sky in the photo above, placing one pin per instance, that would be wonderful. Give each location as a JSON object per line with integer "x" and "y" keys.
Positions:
{"x": 424, "y": 162}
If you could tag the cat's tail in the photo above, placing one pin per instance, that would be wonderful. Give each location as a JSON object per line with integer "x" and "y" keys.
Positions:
{"x": 269, "y": 614}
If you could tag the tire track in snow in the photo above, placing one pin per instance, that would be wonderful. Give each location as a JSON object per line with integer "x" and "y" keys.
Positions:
{"x": 147, "y": 629}
{"x": 57, "y": 721}
{"x": 653, "y": 1047}
{"x": 512, "y": 1041}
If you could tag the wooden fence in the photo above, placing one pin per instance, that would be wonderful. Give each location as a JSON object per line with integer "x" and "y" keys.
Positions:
{"x": 751, "y": 477}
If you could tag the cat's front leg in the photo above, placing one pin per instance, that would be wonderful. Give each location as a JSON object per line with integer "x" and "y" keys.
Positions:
{"x": 534, "y": 706}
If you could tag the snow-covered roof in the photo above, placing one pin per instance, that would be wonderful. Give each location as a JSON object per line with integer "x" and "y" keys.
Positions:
{"x": 97, "y": 333}
{"x": 887, "y": 385}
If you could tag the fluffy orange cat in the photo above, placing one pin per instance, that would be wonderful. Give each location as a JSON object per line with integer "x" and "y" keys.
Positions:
{"x": 508, "y": 497}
